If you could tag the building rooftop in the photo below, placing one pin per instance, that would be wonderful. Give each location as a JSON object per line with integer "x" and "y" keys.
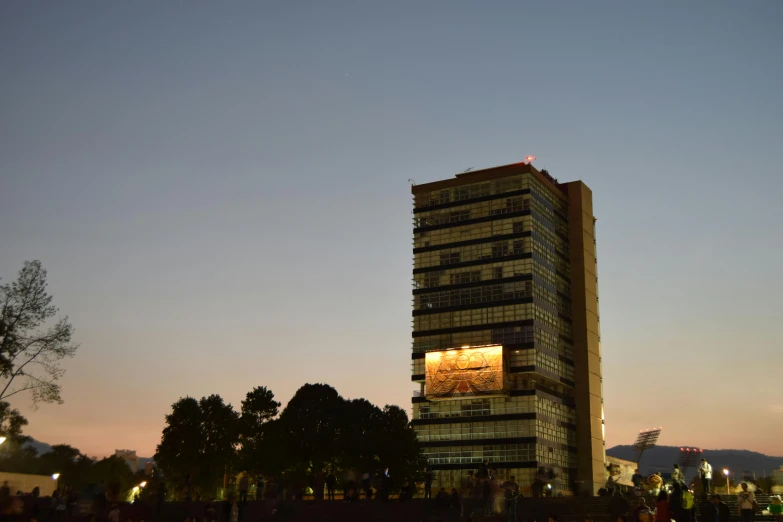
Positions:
{"x": 501, "y": 171}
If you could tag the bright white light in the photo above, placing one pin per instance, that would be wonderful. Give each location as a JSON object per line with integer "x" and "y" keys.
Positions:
{"x": 135, "y": 488}
{"x": 143, "y": 484}
{"x": 2, "y": 439}
{"x": 549, "y": 486}
{"x": 726, "y": 472}
{"x": 55, "y": 476}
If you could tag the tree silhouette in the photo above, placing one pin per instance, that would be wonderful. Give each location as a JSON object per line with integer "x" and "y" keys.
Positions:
{"x": 29, "y": 356}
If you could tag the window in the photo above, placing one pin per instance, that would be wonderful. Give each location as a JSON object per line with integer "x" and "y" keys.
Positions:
{"x": 450, "y": 258}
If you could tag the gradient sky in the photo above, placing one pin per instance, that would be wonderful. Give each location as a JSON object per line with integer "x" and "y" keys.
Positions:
{"x": 220, "y": 193}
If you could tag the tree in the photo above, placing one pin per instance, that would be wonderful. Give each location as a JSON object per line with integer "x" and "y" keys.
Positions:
{"x": 398, "y": 446}
{"x": 258, "y": 408}
{"x": 30, "y": 352}
{"x": 311, "y": 424}
{"x": 11, "y": 423}
{"x": 198, "y": 443}
{"x": 73, "y": 466}
{"x": 115, "y": 474}
{"x": 362, "y": 421}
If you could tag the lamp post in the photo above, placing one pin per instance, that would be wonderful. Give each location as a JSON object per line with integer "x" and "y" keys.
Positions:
{"x": 2, "y": 439}
{"x": 726, "y": 472}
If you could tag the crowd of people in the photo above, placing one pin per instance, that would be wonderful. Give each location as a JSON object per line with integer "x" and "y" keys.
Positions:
{"x": 676, "y": 500}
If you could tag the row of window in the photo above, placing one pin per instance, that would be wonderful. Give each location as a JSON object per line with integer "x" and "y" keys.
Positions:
{"x": 474, "y": 407}
{"x": 494, "y": 406}
{"x": 472, "y": 274}
{"x": 472, "y": 191}
{"x": 555, "y": 410}
{"x": 494, "y": 207}
{"x": 554, "y": 365}
{"x": 472, "y": 231}
{"x": 480, "y": 316}
{"x": 489, "y": 315}
{"x": 525, "y": 477}
{"x": 548, "y": 455}
{"x": 462, "y": 254}
{"x": 494, "y": 430}
{"x": 553, "y": 343}
{"x": 502, "y": 336}
{"x": 474, "y": 295}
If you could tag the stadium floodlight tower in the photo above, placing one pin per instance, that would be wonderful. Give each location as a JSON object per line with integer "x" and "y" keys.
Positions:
{"x": 646, "y": 440}
{"x": 689, "y": 458}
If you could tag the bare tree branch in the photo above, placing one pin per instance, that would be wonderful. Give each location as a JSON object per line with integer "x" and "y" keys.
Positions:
{"x": 27, "y": 347}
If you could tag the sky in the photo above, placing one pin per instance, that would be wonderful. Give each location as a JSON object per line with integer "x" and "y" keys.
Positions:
{"x": 220, "y": 193}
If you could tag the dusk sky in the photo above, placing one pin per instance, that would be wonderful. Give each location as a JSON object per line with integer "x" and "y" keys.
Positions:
{"x": 219, "y": 191}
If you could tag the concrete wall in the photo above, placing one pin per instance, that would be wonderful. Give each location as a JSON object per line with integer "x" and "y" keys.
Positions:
{"x": 25, "y": 483}
{"x": 588, "y": 387}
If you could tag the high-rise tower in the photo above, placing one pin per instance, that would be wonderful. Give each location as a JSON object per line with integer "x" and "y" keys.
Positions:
{"x": 506, "y": 341}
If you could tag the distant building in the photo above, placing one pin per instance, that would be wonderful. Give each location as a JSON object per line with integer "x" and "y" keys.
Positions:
{"x": 130, "y": 458}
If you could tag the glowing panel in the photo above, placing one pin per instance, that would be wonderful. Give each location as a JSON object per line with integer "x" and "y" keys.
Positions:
{"x": 468, "y": 372}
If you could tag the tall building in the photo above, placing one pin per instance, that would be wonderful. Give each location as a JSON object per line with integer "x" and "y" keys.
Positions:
{"x": 506, "y": 345}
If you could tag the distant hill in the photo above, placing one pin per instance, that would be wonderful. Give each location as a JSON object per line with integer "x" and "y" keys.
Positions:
{"x": 40, "y": 447}
{"x": 43, "y": 447}
{"x": 662, "y": 458}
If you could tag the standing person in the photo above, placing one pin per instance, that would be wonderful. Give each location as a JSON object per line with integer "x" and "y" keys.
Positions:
{"x": 618, "y": 506}
{"x": 705, "y": 472}
{"x": 662, "y": 513}
{"x": 114, "y": 513}
{"x": 511, "y": 489}
{"x": 722, "y": 513}
{"x": 497, "y": 492}
{"x": 637, "y": 480}
{"x": 486, "y": 495}
{"x": 428, "y": 483}
{"x": 244, "y": 484}
{"x": 367, "y": 484}
{"x": 331, "y": 482}
{"x": 470, "y": 485}
{"x": 675, "y": 503}
{"x": 260, "y": 487}
{"x": 386, "y": 481}
{"x": 641, "y": 505}
{"x": 707, "y": 510}
{"x": 677, "y": 476}
{"x": 776, "y": 507}
{"x": 5, "y": 492}
{"x": 483, "y": 470}
{"x": 745, "y": 503}
{"x": 688, "y": 506}
{"x": 234, "y": 511}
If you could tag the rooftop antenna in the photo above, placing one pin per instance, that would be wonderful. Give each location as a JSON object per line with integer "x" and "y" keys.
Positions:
{"x": 468, "y": 170}
{"x": 411, "y": 182}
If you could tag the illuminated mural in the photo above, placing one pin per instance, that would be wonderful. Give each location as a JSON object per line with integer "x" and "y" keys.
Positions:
{"x": 468, "y": 372}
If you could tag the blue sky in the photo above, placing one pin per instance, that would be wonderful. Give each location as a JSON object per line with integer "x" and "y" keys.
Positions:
{"x": 220, "y": 193}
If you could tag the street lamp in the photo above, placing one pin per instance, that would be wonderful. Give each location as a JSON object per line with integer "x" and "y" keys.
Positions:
{"x": 2, "y": 439}
{"x": 143, "y": 484}
{"x": 55, "y": 476}
{"x": 726, "y": 472}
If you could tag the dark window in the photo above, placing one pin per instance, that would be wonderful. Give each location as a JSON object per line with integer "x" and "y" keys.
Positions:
{"x": 447, "y": 259}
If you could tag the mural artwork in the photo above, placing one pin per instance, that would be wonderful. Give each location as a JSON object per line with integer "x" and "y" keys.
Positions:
{"x": 469, "y": 372}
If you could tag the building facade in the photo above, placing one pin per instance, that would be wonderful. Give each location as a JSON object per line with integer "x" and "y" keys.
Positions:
{"x": 506, "y": 347}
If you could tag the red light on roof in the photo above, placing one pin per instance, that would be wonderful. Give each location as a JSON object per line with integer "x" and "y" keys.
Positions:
{"x": 530, "y": 158}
